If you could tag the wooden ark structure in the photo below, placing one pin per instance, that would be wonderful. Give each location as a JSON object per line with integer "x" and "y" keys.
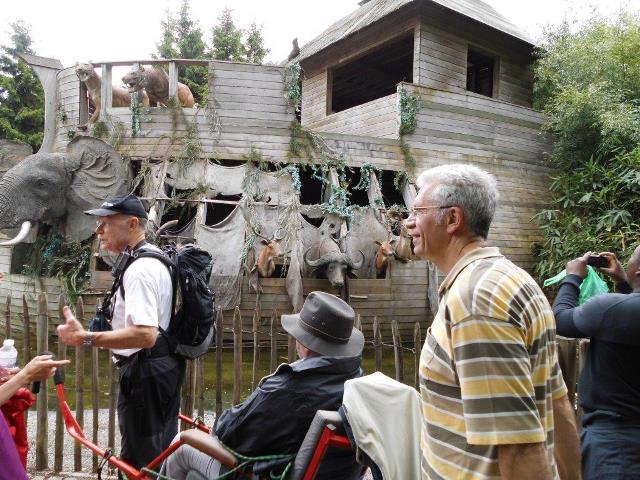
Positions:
{"x": 396, "y": 86}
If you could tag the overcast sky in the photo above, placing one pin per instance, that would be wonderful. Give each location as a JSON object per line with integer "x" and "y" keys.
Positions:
{"x": 72, "y": 31}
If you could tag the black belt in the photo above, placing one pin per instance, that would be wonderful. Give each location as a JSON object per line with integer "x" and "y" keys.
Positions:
{"x": 160, "y": 349}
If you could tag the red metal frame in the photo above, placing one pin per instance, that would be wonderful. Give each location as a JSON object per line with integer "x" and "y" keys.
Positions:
{"x": 76, "y": 432}
{"x": 328, "y": 438}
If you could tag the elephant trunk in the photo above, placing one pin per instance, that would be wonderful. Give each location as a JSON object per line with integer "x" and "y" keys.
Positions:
{"x": 8, "y": 205}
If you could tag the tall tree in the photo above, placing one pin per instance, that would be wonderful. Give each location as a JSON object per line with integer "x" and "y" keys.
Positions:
{"x": 182, "y": 38}
{"x": 167, "y": 46}
{"x": 227, "y": 39}
{"x": 21, "y": 94}
{"x": 588, "y": 86}
{"x": 188, "y": 34}
{"x": 255, "y": 49}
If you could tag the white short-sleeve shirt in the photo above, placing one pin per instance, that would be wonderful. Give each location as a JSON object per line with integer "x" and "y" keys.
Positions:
{"x": 148, "y": 290}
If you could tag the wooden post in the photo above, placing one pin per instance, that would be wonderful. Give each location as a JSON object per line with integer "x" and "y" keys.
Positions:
{"x": 42, "y": 432}
{"x": 59, "y": 434}
{"x": 358, "y": 323}
{"x": 397, "y": 351}
{"x": 188, "y": 390}
{"x": 219, "y": 335}
{"x": 200, "y": 383}
{"x": 83, "y": 107}
{"x": 95, "y": 400}
{"x": 26, "y": 322}
{"x": 256, "y": 348}
{"x": 105, "y": 91}
{"x": 237, "y": 356}
{"x": 113, "y": 397}
{"x": 173, "y": 80}
{"x": 8, "y": 318}
{"x": 377, "y": 343}
{"x": 274, "y": 342}
{"x": 77, "y": 448}
{"x": 417, "y": 345}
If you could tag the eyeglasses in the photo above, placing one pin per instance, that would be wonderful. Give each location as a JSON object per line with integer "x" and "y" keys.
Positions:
{"x": 415, "y": 211}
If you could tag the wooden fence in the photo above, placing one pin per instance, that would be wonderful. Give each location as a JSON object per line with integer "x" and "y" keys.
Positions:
{"x": 85, "y": 383}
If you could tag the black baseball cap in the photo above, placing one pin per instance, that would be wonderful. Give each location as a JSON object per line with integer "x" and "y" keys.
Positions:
{"x": 127, "y": 205}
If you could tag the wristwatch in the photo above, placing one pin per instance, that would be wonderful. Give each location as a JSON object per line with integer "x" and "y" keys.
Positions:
{"x": 88, "y": 340}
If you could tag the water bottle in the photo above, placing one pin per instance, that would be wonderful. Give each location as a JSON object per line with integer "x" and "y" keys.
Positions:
{"x": 8, "y": 354}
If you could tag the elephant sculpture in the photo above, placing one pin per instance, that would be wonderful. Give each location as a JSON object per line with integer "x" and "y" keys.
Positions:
{"x": 56, "y": 188}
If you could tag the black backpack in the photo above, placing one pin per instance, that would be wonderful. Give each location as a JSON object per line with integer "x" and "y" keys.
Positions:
{"x": 192, "y": 327}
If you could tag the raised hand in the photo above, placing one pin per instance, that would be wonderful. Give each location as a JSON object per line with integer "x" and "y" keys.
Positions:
{"x": 615, "y": 269}
{"x": 578, "y": 266}
{"x": 71, "y": 332}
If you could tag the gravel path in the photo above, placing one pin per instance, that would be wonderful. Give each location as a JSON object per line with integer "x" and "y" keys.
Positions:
{"x": 69, "y": 445}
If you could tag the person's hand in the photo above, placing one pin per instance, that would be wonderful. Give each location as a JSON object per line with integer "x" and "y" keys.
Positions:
{"x": 7, "y": 373}
{"x": 71, "y": 332}
{"x": 578, "y": 266}
{"x": 39, "y": 368}
{"x": 615, "y": 269}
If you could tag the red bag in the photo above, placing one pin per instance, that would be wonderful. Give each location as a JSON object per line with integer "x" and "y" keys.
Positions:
{"x": 13, "y": 411}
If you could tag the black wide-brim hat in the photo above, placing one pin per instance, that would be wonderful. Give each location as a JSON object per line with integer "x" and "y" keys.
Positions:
{"x": 325, "y": 326}
{"x": 127, "y": 205}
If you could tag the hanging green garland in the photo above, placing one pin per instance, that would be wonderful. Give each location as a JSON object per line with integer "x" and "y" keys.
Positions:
{"x": 53, "y": 256}
{"x": 291, "y": 86}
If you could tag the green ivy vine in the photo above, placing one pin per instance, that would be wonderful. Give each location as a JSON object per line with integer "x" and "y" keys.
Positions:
{"x": 291, "y": 81}
{"x": 109, "y": 129}
{"x": 53, "y": 256}
{"x": 365, "y": 176}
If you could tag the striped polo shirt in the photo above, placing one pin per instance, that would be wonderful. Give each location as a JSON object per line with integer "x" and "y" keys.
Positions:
{"x": 488, "y": 369}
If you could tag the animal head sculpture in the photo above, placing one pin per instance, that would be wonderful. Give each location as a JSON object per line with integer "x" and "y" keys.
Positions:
{"x": 265, "y": 262}
{"x": 333, "y": 264}
{"x": 386, "y": 252}
{"x": 85, "y": 71}
{"x": 403, "y": 246}
{"x": 134, "y": 80}
{"x": 55, "y": 188}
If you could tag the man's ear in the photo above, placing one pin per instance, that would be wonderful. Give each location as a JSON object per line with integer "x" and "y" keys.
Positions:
{"x": 454, "y": 219}
{"x": 134, "y": 223}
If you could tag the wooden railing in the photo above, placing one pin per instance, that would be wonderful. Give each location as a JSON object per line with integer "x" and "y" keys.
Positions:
{"x": 106, "y": 67}
{"x": 85, "y": 382}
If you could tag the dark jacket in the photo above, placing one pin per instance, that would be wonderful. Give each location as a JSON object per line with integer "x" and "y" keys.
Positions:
{"x": 609, "y": 385}
{"x": 276, "y": 416}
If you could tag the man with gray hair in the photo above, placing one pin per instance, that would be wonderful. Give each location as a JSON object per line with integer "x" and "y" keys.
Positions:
{"x": 490, "y": 382}
{"x": 150, "y": 373}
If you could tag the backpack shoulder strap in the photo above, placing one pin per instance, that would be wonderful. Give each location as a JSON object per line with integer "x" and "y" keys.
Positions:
{"x": 173, "y": 272}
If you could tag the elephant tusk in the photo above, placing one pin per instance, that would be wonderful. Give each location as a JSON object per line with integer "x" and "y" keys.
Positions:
{"x": 22, "y": 234}
{"x": 169, "y": 224}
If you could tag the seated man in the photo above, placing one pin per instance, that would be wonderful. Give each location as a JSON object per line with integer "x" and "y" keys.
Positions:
{"x": 276, "y": 416}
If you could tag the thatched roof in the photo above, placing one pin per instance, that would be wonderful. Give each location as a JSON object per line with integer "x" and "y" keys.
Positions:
{"x": 374, "y": 10}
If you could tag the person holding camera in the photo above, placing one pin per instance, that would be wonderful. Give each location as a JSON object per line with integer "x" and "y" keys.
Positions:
{"x": 150, "y": 374}
{"x": 609, "y": 385}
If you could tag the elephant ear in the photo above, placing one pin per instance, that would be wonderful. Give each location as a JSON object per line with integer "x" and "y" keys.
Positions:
{"x": 98, "y": 172}
{"x": 11, "y": 152}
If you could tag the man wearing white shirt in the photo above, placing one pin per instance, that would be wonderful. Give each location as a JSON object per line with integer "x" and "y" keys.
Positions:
{"x": 150, "y": 373}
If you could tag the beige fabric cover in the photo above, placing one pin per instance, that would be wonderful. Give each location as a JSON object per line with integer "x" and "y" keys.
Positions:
{"x": 386, "y": 420}
{"x": 224, "y": 241}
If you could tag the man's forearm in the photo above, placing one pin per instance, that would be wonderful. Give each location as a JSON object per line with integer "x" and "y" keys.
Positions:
{"x": 525, "y": 461}
{"x": 566, "y": 441}
{"x": 129, "y": 337}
